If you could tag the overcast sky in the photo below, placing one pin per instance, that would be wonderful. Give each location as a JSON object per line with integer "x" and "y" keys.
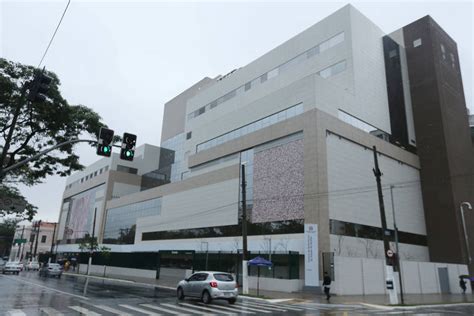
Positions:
{"x": 125, "y": 59}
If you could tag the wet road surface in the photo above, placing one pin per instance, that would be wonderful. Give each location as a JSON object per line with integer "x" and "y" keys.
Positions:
{"x": 27, "y": 294}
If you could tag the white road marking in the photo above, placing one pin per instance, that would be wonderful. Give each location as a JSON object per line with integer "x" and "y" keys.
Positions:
{"x": 50, "y": 311}
{"x": 45, "y": 287}
{"x": 141, "y": 310}
{"x": 269, "y": 307}
{"x": 185, "y": 309}
{"x": 84, "y": 311}
{"x": 286, "y": 306}
{"x": 161, "y": 309}
{"x": 206, "y": 308}
{"x": 16, "y": 312}
{"x": 112, "y": 310}
{"x": 233, "y": 309}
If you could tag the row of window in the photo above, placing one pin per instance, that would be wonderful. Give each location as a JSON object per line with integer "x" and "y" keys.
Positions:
{"x": 121, "y": 221}
{"x": 370, "y": 232}
{"x": 418, "y": 42}
{"x": 252, "y": 127}
{"x": 333, "y": 41}
{"x": 88, "y": 177}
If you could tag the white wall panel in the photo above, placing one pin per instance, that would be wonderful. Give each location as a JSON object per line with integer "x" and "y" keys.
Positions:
{"x": 353, "y": 192}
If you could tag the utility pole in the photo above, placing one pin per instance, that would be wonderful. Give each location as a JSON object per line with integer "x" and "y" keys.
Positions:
{"x": 395, "y": 228}
{"x": 92, "y": 244}
{"x": 37, "y": 238}
{"x": 18, "y": 256}
{"x": 385, "y": 233}
{"x": 52, "y": 244}
{"x": 245, "y": 280}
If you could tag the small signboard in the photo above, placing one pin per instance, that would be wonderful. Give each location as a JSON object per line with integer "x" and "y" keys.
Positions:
{"x": 389, "y": 253}
{"x": 19, "y": 241}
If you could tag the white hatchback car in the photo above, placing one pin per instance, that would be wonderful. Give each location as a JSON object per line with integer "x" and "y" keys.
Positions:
{"x": 33, "y": 265}
{"x": 12, "y": 267}
{"x": 209, "y": 285}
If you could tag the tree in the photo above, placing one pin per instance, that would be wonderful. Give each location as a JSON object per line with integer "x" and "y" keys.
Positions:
{"x": 13, "y": 193}
{"x": 7, "y": 232}
{"x": 40, "y": 125}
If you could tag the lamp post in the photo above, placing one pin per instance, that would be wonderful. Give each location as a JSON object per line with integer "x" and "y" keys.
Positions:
{"x": 469, "y": 207}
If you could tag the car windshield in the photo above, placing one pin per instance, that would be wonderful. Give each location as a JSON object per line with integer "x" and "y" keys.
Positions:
{"x": 223, "y": 277}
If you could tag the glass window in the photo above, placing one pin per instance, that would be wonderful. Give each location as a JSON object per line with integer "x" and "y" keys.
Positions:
{"x": 312, "y": 52}
{"x": 324, "y": 46}
{"x": 417, "y": 42}
{"x": 326, "y": 73}
{"x": 213, "y": 104}
{"x": 263, "y": 77}
{"x": 392, "y": 53}
{"x": 337, "y": 68}
{"x": 248, "y": 85}
{"x": 189, "y": 135}
{"x": 272, "y": 73}
{"x": 201, "y": 110}
{"x": 43, "y": 239}
{"x": 339, "y": 38}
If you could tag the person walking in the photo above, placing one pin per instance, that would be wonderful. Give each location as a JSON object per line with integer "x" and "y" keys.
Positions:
{"x": 462, "y": 284}
{"x": 327, "y": 285}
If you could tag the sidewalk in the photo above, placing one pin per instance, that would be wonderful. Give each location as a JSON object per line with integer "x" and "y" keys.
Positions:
{"x": 304, "y": 297}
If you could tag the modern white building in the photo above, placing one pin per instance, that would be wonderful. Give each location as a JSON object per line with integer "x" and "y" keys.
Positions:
{"x": 303, "y": 120}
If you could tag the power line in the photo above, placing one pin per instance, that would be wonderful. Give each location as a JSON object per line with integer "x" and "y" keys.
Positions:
{"x": 54, "y": 34}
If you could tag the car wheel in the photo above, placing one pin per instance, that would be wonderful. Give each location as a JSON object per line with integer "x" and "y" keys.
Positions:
{"x": 180, "y": 293}
{"x": 206, "y": 297}
{"x": 232, "y": 300}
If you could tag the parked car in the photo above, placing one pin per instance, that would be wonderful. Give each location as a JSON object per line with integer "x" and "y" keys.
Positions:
{"x": 51, "y": 269}
{"x": 33, "y": 265}
{"x": 209, "y": 285}
{"x": 2, "y": 264}
{"x": 12, "y": 267}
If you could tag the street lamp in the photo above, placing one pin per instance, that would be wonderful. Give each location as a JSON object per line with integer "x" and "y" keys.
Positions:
{"x": 469, "y": 207}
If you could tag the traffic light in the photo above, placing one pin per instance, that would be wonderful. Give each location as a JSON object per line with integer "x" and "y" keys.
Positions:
{"x": 38, "y": 87}
{"x": 104, "y": 143}
{"x": 128, "y": 146}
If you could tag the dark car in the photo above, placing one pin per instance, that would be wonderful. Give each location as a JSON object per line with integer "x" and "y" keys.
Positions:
{"x": 51, "y": 269}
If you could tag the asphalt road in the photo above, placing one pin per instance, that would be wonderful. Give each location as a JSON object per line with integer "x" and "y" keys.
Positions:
{"x": 27, "y": 294}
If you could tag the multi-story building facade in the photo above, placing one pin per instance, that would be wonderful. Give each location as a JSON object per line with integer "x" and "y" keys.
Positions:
{"x": 39, "y": 239}
{"x": 303, "y": 120}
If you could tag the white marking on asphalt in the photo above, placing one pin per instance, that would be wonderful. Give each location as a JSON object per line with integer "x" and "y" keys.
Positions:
{"x": 206, "y": 308}
{"x": 266, "y": 307}
{"x": 112, "y": 310}
{"x": 16, "y": 312}
{"x": 161, "y": 309}
{"x": 84, "y": 311}
{"x": 233, "y": 309}
{"x": 50, "y": 311}
{"x": 185, "y": 309}
{"x": 48, "y": 288}
{"x": 141, "y": 310}
{"x": 286, "y": 306}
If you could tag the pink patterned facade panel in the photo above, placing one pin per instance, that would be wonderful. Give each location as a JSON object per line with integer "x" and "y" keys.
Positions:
{"x": 278, "y": 183}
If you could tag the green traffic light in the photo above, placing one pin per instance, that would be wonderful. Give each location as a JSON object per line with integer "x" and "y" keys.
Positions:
{"x": 128, "y": 153}
{"x": 106, "y": 149}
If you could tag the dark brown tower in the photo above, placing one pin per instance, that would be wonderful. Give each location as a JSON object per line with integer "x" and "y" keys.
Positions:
{"x": 443, "y": 138}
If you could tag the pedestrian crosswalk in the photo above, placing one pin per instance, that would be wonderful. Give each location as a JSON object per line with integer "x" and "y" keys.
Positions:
{"x": 246, "y": 307}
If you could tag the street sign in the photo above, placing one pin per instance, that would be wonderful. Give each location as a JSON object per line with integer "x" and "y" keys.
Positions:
{"x": 12, "y": 204}
{"x": 19, "y": 241}
{"x": 389, "y": 253}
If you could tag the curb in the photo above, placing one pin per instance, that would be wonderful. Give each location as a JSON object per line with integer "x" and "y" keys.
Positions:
{"x": 385, "y": 307}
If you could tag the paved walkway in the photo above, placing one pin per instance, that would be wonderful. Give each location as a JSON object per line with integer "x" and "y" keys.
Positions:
{"x": 410, "y": 299}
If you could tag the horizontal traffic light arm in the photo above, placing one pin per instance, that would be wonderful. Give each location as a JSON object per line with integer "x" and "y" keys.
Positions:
{"x": 41, "y": 153}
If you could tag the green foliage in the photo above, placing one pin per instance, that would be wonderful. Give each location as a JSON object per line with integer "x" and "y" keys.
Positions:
{"x": 89, "y": 243}
{"x": 7, "y": 232}
{"x": 11, "y": 192}
{"x": 40, "y": 125}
